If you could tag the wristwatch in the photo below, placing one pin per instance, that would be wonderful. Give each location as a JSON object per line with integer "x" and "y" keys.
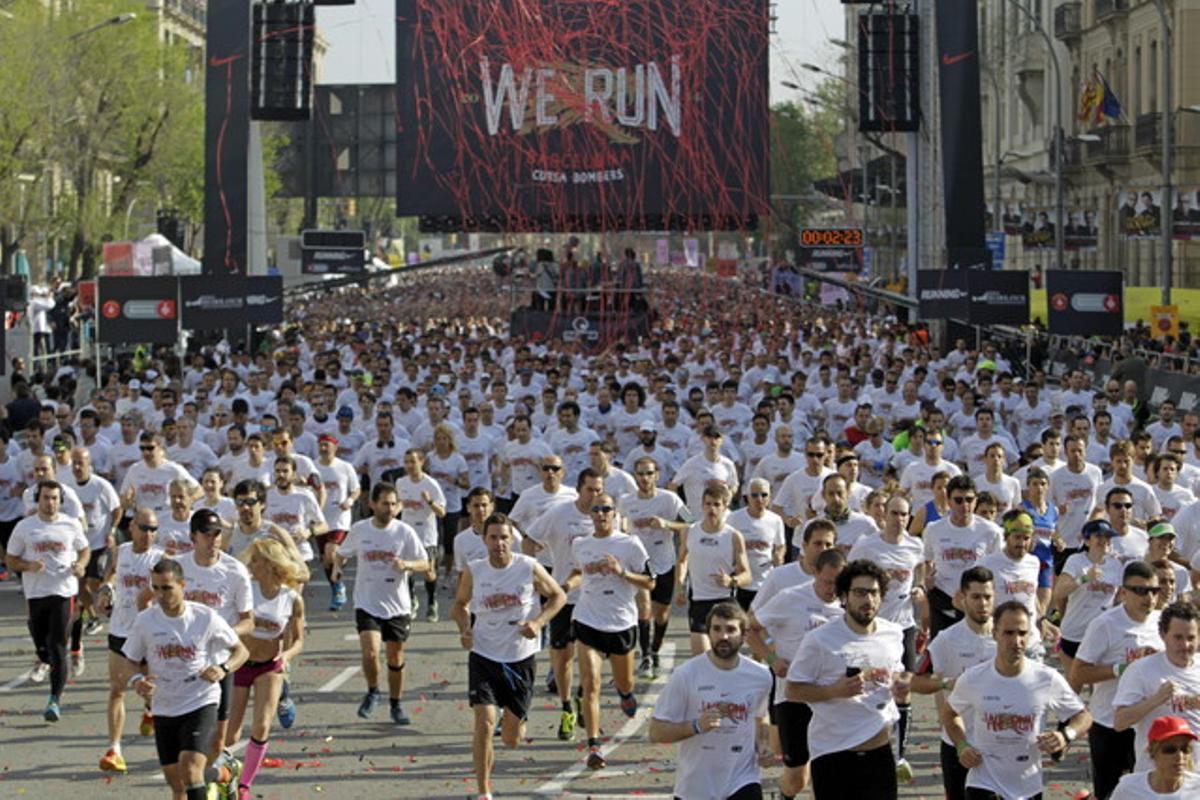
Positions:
{"x": 1069, "y": 734}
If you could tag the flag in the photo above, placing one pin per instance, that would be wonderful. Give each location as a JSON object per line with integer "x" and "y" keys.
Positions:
{"x": 1091, "y": 96}
{"x": 1109, "y": 105}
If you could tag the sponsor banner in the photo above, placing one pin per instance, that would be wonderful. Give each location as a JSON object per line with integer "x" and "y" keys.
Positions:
{"x": 942, "y": 293}
{"x": 212, "y": 305}
{"x": 961, "y": 128}
{"x": 998, "y": 297}
{"x": 137, "y": 310}
{"x": 552, "y": 115}
{"x": 1085, "y": 303}
{"x": 1139, "y": 213}
{"x": 264, "y": 300}
{"x": 1038, "y": 226}
{"x": 226, "y": 136}
{"x": 589, "y": 330}
{"x": 332, "y": 260}
{"x": 118, "y": 258}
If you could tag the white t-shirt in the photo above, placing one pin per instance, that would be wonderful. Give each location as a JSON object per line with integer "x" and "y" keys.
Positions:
{"x": 1137, "y": 787}
{"x": 56, "y": 545}
{"x": 955, "y": 650}
{"x": 297, "y": 513}
{"x": 1145, "y": 502}
{"x": 416, "y": 512}
{"x": 223, "y": 587}
{"x": 714, "y": 765}
{"x": 1116, "y": 638}
{"x": 99, "y": 500}
{"x": 559, "y": 526}
{"x": 798, "y": 490}
{"x": 761, "y": 536}
{"x": 272, "y": 614}
{"x": 775, "y": 469}
{"x": 695, "y": 473}
{"x": 823, "y": 658}
{"x": 176, "y": 651}
{"x": 708, "y": 555}
{"x": 790, "y": 615}
{"x": 900, "y": 562}
{"x": 500, "y": 600}
{"x": 1091, "y": 598}
{"x": 607, "y": 602}
{"x": 1015, "y": 580}
{"x": 1142, "y": 680}
{"x": 131, "y": 578}
{"x": 524, "y": 463}
{"x": 469, "y": 546}
{"x": 1006, "y": 716}
{"x": 1007, "y": 491}
{"x": 658, "y": 542}
{"x": 340, "y": 481}
{"x": 779, "y": 578}
{"x": 954, "y": 550}
{"x": 1079, "y": 492}
{"x": 917, "y": 479}
{"x": 379, "y": 589}
{"x": 150, "y": 484}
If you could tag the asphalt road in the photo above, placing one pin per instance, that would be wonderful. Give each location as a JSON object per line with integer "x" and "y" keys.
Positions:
{"x": 331, "y": 753}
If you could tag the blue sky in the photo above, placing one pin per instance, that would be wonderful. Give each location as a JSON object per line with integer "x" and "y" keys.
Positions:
{"x": 361, "y": 42}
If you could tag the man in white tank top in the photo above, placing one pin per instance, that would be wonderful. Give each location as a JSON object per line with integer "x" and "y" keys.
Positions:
{"x": 496, "y": 610}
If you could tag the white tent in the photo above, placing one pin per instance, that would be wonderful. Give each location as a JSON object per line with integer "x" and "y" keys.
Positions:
{"x": 181, "y": 262}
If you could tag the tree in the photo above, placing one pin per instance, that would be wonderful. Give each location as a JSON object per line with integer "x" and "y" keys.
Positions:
{"x": 802, "y": 151}
{"x": 105, "y": 115}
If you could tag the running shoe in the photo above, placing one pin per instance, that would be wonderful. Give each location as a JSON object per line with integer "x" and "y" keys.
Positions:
{"x": 113, "y": 762}
{"x": 629, "y": 704}
{"x": 287, "y": 712}
{"x": 566, "y": 726}
{"x": 594, "y": 759}
{"x": 654, "y": 666}
{"x": 398, "y": 715}
{"x": 904, "y": 771}
{"x": 645, "y": 669}
{"x": 93, "y": 625}
{"x": 431, "y": 614}
{"x": 243, "y": 792}
{"x": 78, "y": 665}
{"x": 230, "y": 784}
{"x": 52, "y": 712}
{"x": 339, "y": 597}
{"x": 4, "y": 574}
{"x": 39, "y": 673}
{"x": 146, "y": 728}
{"x": 367, "y": 707}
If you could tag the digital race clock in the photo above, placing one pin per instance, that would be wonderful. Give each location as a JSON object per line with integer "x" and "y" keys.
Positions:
{"x": 831, "y": 237}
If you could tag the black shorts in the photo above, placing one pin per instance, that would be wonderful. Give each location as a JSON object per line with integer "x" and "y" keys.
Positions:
{"x": 792, "y": 719}
{"x": 909, "y": 658}
{"x": 226, "y": 684}
{"x": 664, "y": 588}
{"x": 745, "y": 597}
{"x": 751, "y": 791}
{"x": 96, "y": 564}
{"x": 1068, "y": 647}
{"x": 698, "y": 613}
{"x": 503, "y": 685}
{"x": 6, "y": 529}
{"x": 191, "y": 732}
{"x": 115, "y": 645}
{"x": 610, "y": 643}
{"x": 561, "y": 633}
{"x": 395, "y": 629}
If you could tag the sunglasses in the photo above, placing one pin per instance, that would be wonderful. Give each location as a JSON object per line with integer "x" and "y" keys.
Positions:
{"x": 551, "y": 468}
{"x": 958, "y": 500}
{"x": 1175, "y": 749}
{"x": 146, "y": 448}
{"x": 814, "y": 455}
{"x": 148, "y": 528}
{"x": 246, "y": 501}
{"x": 934, "y": 442}
{"x": 644, "y": 473}
{"x": 602, "y": 509}
{"x": 161, "y": 588}
{"x": 1126, "y": 506}
{"x": 760, "y": 494}
{"x": 1143, "y": 591}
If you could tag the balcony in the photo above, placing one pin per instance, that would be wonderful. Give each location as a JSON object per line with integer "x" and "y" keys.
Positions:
{"x": 191, "y": 11}
{"x": 1073, "y": 155}
{"x": 1068, "y": 21}
{"x": 1113, "y": 145}
{"x": 1110, "y": 9}
{"x": 1147, "y": 131}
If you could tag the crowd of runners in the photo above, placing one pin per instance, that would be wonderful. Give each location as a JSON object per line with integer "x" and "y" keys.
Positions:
{"x": 844, "y": 515}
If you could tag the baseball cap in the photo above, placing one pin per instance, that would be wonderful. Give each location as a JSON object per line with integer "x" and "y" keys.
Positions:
{"x": 986, "y": 364}
{"x": 711, "y": 431}
{"x": 1098, "y": 527}
{"x": 205, "y": 521}
{"x": 1166, "y": 727}
{"x": 1161, "y": 529}
{"x": 648, "y": 426}
{"x": 345, "y": 411}
{"x": 135, "y": 384}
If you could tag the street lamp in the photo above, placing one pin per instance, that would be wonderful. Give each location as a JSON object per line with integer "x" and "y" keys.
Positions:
{"x": 120, "y": 19}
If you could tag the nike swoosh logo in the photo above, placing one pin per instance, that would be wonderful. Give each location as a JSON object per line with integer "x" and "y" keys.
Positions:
{"x": 950, "y": 60}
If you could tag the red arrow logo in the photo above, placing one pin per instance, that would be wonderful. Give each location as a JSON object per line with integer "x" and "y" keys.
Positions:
{"x": 166, "y": 309}
{"x": 1059, "y": 301}
{"x": 950, "y": 60}
{"x": 1112, "y": 303}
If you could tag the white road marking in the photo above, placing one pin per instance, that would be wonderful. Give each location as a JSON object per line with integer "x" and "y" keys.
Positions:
{"x": 339, "y": 679}
{"x": 17, "y": 681}
{"x": 557, "y": 786}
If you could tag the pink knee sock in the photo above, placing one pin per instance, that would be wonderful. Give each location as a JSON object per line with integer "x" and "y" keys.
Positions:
{"x": 255, "y": 753}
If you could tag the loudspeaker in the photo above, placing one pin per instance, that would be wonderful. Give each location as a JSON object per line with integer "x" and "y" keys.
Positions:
{"x": 281, "y": 61}
{"x": 888, "y": 73}
{"x": 172, "y": 226}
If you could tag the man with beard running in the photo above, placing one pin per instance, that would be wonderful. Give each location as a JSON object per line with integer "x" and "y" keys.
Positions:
{"x": 499, "y": 624}
{"x": 711, "y": 706}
